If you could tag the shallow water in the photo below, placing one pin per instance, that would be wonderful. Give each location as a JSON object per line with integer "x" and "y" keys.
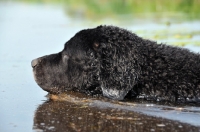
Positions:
{"x": 29, "y": 31}
{"x": 77, "y": 112}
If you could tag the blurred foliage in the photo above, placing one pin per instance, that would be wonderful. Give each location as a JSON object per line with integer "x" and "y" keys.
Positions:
{"x": 96, "y": 9}
{"x": 178, "y": 37}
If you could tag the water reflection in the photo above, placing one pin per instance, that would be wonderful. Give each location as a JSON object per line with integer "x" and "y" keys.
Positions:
{"x": 80, "y": 113}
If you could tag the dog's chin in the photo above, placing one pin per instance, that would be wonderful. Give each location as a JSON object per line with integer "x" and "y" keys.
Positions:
{"x": 42, "y": 82}
{"x": 53, "y": 90}
{"x": 47, "y": 85}
{"x": 50, "y": 88}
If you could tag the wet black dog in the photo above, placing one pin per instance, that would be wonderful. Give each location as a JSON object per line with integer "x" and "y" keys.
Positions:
{"x": 116, "y": 63}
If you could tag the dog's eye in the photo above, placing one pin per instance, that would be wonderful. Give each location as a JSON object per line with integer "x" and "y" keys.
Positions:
{"x": 65, "y": 57}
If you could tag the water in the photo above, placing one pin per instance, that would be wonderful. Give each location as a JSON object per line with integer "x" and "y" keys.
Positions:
{"x": 29, "y": 31}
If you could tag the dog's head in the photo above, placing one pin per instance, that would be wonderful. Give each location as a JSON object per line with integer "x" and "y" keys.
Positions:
{"x": 100, "y": 60}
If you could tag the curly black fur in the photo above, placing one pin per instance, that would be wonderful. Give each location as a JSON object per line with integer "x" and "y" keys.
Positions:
{"x": 117, "y": 63}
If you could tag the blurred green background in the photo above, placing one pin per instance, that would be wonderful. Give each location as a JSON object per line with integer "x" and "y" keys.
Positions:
{"x": 126, "y": 13}
{"x": 99, "y": 9}
{"x": 175, "y": 22}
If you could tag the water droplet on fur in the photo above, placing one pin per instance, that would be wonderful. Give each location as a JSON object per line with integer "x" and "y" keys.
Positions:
{"x": 160, "y": 125}
{"x": 80, "y": 118}
{"x": 42, "y": 124}
{"x": 51, "y": 128}
{"x": 90, "y": 114}
{"x": 180, "y": 126}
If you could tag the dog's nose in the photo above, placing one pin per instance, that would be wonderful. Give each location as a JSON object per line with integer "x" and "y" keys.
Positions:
{"x": 34, "y": 62}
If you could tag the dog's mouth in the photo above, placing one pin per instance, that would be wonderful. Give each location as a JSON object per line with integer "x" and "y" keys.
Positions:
{"x": 39, "y": 76}
{"x": 45, "y": 81}
{"x": 47, "y": 86}
{"x": 40, "y": 80}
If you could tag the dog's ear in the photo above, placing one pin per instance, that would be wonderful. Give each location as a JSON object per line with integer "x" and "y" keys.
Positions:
{"x": 118, "y": 69}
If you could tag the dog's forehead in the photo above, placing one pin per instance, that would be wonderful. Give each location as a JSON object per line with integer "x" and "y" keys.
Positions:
{"x": 82, "y": 40}
{"x": 76, "y": 46}
{"x": 76, "y": 43}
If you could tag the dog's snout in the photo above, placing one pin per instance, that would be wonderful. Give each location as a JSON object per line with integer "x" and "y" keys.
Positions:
{"x": 34, "y": 62}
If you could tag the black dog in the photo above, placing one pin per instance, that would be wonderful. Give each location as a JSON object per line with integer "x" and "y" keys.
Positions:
{"x": 116, "y": 63}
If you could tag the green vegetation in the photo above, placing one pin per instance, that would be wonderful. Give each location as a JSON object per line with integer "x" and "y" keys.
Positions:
{"x": 176, "y": 38}
{"x": 96, "y": 9}
{"x": 142, "y": 10}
